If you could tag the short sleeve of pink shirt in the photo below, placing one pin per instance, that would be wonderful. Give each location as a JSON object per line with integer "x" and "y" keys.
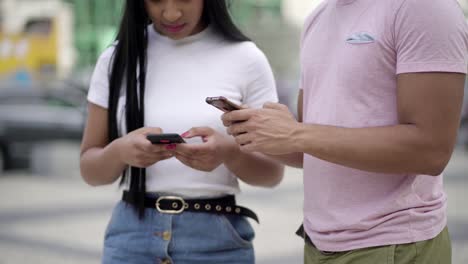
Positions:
{"x": 430, "y": 37}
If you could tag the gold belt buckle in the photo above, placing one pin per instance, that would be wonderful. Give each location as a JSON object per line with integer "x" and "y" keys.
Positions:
{"x": 174, "y": 205}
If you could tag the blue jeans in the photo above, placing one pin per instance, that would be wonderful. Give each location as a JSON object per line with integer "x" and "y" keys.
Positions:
{"x": 180, "y": 238}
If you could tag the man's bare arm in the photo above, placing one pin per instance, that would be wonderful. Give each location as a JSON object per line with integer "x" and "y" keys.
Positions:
{"x": 422, "y": 143}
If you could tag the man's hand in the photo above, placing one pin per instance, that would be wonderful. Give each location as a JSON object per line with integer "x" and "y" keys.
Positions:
{"x": 269, "y": 130}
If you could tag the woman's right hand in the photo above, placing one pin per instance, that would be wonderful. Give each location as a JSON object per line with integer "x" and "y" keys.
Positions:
{"x": 137, "y": 151}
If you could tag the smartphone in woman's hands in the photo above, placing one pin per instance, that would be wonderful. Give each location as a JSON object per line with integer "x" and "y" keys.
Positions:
{"x": 166, "y": 138}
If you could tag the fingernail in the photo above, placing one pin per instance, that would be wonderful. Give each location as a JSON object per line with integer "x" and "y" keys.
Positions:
{"x": 185, "y": 134}
{"x": 171, "y": 147}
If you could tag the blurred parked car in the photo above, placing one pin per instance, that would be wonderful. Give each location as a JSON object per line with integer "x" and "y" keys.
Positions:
{"x": 36, "y": 114}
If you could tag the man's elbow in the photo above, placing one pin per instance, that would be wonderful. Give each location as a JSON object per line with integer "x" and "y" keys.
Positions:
{"x": 438, "y": 161}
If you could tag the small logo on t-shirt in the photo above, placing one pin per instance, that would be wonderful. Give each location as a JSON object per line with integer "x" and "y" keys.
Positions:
{"x": 360, "y": 38}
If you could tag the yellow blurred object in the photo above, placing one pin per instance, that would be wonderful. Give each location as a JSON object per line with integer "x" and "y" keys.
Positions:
{"x": 33, "y": 52}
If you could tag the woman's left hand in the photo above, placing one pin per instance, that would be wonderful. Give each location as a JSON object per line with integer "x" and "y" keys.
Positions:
{"x": 208, "y": 155}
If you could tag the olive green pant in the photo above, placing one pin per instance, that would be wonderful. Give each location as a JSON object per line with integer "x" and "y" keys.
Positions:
{"x": 434, "y": 251}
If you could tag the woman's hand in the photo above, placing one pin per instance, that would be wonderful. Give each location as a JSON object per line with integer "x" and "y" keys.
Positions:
{"x": 137, "y": 151}
{"x": 207, "y": 156}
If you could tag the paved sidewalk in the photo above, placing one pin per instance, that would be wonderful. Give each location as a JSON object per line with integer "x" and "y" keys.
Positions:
{"x": 55, "y": 220}
{"x": 50, "y": 219}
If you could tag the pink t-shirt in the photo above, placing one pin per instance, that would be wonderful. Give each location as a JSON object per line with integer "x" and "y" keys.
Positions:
{"x": 351, "y": 52}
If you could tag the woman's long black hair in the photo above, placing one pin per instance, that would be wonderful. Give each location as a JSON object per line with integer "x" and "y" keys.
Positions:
{"x": 129, "y": 68}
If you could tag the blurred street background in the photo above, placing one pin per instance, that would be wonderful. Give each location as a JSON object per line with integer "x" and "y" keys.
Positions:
{"x": 48, "y": 49}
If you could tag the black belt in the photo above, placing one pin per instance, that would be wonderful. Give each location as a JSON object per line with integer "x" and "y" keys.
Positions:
{"x": 177, "y": 205}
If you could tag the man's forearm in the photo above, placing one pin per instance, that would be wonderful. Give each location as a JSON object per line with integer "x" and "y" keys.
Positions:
{"x": 293, "y": 159}
{"x": 391, "y": 149}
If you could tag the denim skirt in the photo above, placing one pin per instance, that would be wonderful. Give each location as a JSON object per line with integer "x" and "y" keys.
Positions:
{"x": 176, "y": 238}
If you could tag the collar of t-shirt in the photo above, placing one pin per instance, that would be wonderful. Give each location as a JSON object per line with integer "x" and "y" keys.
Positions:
{"x": 187, "y": 40}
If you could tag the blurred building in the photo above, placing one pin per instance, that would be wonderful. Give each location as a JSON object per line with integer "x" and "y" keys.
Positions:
{"x": 36, "y": 39}
{"x": 95, "y": 27}
{"x": 296, "y": 11}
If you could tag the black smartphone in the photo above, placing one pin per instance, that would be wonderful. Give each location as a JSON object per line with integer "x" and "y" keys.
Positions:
{"x": 169, "y": 138}
{"x": 222, "y": 103}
